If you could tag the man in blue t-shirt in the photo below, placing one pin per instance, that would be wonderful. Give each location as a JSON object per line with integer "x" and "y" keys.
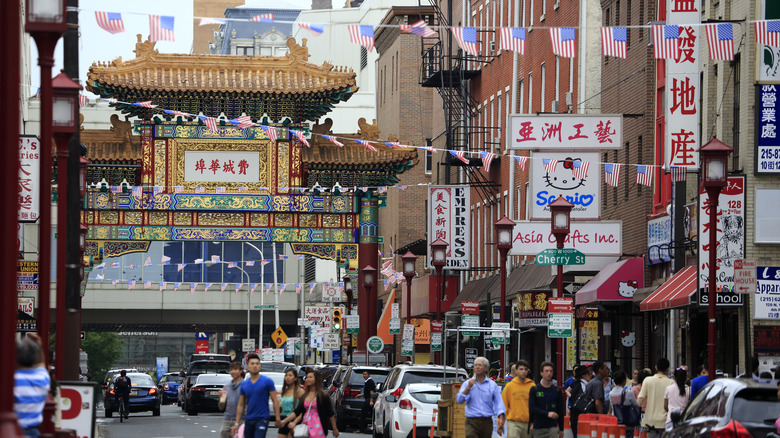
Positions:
{"x": 698, "y": 382}
{"x": 254, "y": 394}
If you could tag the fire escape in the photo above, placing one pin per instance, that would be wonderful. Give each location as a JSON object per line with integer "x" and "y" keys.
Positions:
{"x": 448, "y": 68}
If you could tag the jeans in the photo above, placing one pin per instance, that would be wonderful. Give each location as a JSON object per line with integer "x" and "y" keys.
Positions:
{"x": 31, "y": 432}
{"x": 255, "y": 427}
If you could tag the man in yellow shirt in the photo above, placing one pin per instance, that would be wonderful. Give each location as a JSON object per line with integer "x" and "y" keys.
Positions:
{"x": 652, "y": 393}
{"x": 515, "y": 397}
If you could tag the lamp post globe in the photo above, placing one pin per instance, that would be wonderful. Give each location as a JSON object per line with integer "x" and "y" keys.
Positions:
{"x": 409, "y": 262}
{"x": 560, "y": 218}
{"x": 504, "y": 231}
{"x": 439, "y": 261}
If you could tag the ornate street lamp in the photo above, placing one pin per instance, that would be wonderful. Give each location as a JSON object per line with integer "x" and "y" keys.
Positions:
{"x": 560, "y": 210}
{"x": 504, "y": 230}
{"x": 409, "y": 263}
{"x": 348, "y": 290}
{"x": 369, "y": 277}
{"x": 439, "y": 261}
{"x": 83, "y": 238}
{"x": 83, "y": 164}
{"x": 714, "y": 177}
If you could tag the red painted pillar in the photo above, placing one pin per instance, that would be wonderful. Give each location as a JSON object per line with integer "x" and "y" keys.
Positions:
{"x": 368, "y": 255}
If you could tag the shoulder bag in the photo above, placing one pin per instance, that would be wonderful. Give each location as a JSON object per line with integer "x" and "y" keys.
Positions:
{"x": 302, "y": 430}
{"x": 627, "y": 415}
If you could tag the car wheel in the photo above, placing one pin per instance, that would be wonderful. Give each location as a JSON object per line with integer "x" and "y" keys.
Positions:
{"x": 191, "y": 410}
{"x": 178, "y": 403}
{"x": 156, "y": 412}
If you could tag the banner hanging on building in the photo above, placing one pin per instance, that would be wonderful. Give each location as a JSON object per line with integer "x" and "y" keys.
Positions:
{"x": 449, "y": 219}
{"x": 584, "y": 191}
{"x": 567, "y": 131}
{"x": 29, "y": 178}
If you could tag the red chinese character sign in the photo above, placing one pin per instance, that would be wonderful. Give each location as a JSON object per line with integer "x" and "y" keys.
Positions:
{"x": 449, "y": 219}
{"x": 567, "y": 131}
{"x": 222, "y": 166}
{"x": 29, "y": 177}
{"x": 682, "y": 87}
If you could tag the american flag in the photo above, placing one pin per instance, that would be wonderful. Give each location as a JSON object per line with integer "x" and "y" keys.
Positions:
{"x": 130, "y": 284}
{"x": 678, "y": 173}
{"x": 362, "y": 34}
{"x": 513, "y": 38}
{"x": 200, "y": 189}
{"x": 612, "y": 174}
{"x": 198, "y": 261}
{"x": 270, "y": 131}
{"x": 298, "y": 288}
{"x": 614, "y": 41}
{"x": 111, "y": 100}
{"x": 311, "y": 287}
{"x": 215, "y": 259}
{"x": 145, "y": 104}
{"x": 222, "y": 287}
{"x": 549, "y": 164}
{"x": 192, "y": 287}
{"x": 165, "y": 260}
{"x": 157, "y": 189}
{"x": 115, "y": 265}
{"x": 147, "y": 284}
{"x": 243, "y": 188}
{"x": 366, "y": 145}
{"x": 176, "y": 286}
{"x": 263, "y": 18}
{"x": 419, "y": 28}
{"x": 207, "y": 286}
{"x": 177, "y": 113}
{"x": 220, "y": 190}
{"x": 160, "y": 28}
{"x": 428, "y": 148}
{"x": 243, "y": 122}
{"x": 720, "y": 41}
{"x": 768, "y": 32}
{"x": 163, "y": 285}
{"x": 210, "y": 122}
{"x": 394, "y": 144}
{"x": 250, "y": 263}
{"x": 100, "y": 276}
{"x": 644, "y": 175}
{"x": 267, "y": 288}
{"x": 461, "y": 155}
{"x": 563, "y": 41}
{"x": 178, "y": 189}
{"x": 467, "y": 39}
{"x": 521, "y": 161}
{"x": 264, "y": 262}
{"x": 111, "y": 22}
{"x": 580, "y": 169}
{"x": 315, "y": 28}
{"x": 300, "y": 137}
{"x": 665, "y": 41}
{"x": 487, "y": 160}
{"x": 205, "y": 21}
{"x": 180, "y": 266}
{"x": 116, "y": 189}
{"x": 282, "y": 257}
{"x": 334, "y": 140}
{"x": 232, "y": 264}
{"x": 82, "y": 100}
{"x": 138, "y": 191}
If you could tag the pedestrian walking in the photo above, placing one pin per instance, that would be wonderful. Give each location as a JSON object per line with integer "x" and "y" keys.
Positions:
{"x": 31, "y": 384}
{"x": 545, "y": 403}
{"x": 228, "y": 400}
{"x": 369, "y": 387}
{"x": 255, "y": 393}
{"x": 515, "y": 397}
{"x": 289, "y": 399}
{"x": 698, "y": 382}
{"x": 595, "y": 388}
{"x": 624, "y": 404}
{"x": 678, "y": 395}
{"x": 483, "y": 402}
{"x": 652, "y": 393}
{"x": 643, "y": 374}
{"x": 580, "y": 404}
{"x": 316, "y": 411}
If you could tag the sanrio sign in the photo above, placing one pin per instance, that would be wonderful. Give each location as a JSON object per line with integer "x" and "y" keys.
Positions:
{"x": 546, "y": 185}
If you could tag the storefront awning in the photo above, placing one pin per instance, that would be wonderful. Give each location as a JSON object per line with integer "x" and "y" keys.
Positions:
{"x": 474, "y": 290}
{"x": 616, "y": 282}
{"x": 675, "y": 292}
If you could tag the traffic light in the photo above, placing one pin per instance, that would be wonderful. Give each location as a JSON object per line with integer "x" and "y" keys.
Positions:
{"x": 337, "y": 319}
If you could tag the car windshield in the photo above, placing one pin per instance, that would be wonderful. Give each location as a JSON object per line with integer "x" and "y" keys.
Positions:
{"x": 209, "y": 368}
{"x": 222, "y": 379}
{"x": 426, "y": 377}
{"x": 430, "y": 397}
{"x": 378, "y": 376}
{"x": 278, "y": 378}
{"x": 756, "y": 406}
{"x": 174, "y": 379}
{"x": 140, "y": 380}
{"x": 275, "y": 367}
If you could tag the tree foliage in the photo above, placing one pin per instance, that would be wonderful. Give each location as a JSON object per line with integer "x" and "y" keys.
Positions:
{"x": 103, "y": 349}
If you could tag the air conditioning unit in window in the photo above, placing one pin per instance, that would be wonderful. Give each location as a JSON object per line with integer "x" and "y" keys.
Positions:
{"x": 492, "y": 47}
{"x": 554, "y": 106}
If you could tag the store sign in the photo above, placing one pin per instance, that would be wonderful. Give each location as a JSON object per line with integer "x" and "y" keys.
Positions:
{"x": 567, "y": 131}
{"x": 449, "y": 219}
{"x": 222, "y": 166}
{"x": 730, "y": 239}
{"x": 532, "y": 308}
{"x": 768, "y": 153}
{"x": 26, "y": 276}
{"x": 766, "y": 339}
{"x": 29, "y": 178}
{"x": 659, "y": 239}
{"x": 78, "y": 406}
{"x": 584, "y": 193}
{"x": 590, "y": 238}
{"x": 319, "y": 316}
{"x": 683, "y": 93}
{"x": 469, "y": 307}
{"x": 767, "y": 298}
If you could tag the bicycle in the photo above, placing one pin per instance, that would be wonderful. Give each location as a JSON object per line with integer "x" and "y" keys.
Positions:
{"x": 122, "y": 408}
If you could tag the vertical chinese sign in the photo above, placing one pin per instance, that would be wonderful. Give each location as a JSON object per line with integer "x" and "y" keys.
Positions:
{"x": 449, "y": 219}
{"x": 768, "y": 153}
{"x": 682, "y": 87}
{"x": 29, "y": 170}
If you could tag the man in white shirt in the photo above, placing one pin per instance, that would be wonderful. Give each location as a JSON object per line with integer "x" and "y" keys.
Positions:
{"x": 653, "y": 393}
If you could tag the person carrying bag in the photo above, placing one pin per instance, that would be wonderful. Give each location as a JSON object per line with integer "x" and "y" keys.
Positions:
{"x": 624, "y": 404}
{"x": 315, "y": 413}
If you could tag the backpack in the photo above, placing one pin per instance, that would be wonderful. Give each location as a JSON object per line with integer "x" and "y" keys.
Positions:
{"x": 580, "y": 402}
{"x": 121, "y": 383}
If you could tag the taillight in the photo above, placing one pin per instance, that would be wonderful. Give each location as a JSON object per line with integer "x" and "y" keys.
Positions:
{"x": 397, "y": 393}
{"x": 405, "y": 404}
{"x": 198, "y": 389}
{"x": 734, "y": 429}
{"x": 111, "y": 392}
{"x": 152, "y": 391}
{"x": 352, "y": 391}
{"x": 166, "y": 387}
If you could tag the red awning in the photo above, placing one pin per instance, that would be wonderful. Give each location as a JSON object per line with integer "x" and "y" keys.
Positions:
{"x": 615, "y": 282}
{"x": 675, "y": 292}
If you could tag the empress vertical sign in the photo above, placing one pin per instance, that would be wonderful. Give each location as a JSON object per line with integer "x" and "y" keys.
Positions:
{"x": 29, "y": 170}
{"x": 449, "y": 220}
{"x": 682, "y": 86}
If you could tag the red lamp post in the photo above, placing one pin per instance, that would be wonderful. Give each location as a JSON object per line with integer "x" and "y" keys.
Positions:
{"x": 560, "y": 226}
{"x": 409, "y": 263}
{"x": 504, "y": 229}
{"x": 714, "y": 177}
{"x": 65, "y": 123}
{"x": 369, "y": 277}
{"x": 439, "y": 261}
{"x": 348, "y": 290}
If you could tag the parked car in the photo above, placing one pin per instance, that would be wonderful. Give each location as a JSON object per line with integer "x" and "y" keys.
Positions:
{"x": 278, "y": 379}
{"x": 144, "y": 395}
{"x": 110, "y": 376}
{"x": 728, "y": 408}
{"x": 335, "y": 380}
{"x": 204, "y": 394}
{"x": 348, "y": 398}
{"x": 169, "y": 387}
{"x": 401, "y": 376}
{"x": 185, "y": 384}
{"x": 203, "y": 364}
{"x": 423, "y": 397}
{"x": 276, "y": 367}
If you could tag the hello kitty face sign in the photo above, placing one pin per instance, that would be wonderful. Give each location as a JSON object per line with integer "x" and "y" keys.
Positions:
{"x": 627, "y": 338}
{"x": 548, "y": 183}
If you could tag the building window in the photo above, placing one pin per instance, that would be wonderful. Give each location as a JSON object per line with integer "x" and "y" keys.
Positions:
{"x": 521, "y": 95}
{"x": 557, "y": 83}
{"x": 735, "y": 124}
{"x": 615, "y": 192}
{"x": 642, "y": 19}
{"x": 363, "y": 57}
{"x": 628, "y": 23}
{"x": 245, "y": 50}
{"x": 266, "y": 51}
{"x": 605, "y": 159}
{"x": 530, "y": 93}
{"x": 628, "y": 161}
{"x": 640, "y": 160}
{"x": 428, "y": 158}
{"x": 542, "y": 88}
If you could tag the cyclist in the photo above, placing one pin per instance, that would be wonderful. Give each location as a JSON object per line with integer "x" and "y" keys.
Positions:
{"x": 122, "y": 387}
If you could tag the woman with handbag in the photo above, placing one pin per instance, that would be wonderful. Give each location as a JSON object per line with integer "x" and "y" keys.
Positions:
{"x": 290, "y": 398}
{"x": 624, "y": 404}
{"x": 312, "y": 418}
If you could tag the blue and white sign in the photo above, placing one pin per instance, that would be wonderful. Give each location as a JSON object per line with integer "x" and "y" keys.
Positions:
{"x": 162, "y": 366}
{"x": 584, "y": 193}
{"x": 767, "y": 299}
{"x": 768, "y": 153}
{"x": 659, "y": 237}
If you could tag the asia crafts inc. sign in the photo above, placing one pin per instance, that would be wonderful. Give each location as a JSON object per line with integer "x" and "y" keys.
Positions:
{"x": 547, "y": 183}
{"x": 590, "y": 238}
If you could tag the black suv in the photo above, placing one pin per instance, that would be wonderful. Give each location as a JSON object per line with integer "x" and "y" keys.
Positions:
{"x": 203, "y": 364}
{"x": 348, "y": 396}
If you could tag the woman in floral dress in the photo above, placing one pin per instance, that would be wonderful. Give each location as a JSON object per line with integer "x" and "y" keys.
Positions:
{"x": 316, "y": 411}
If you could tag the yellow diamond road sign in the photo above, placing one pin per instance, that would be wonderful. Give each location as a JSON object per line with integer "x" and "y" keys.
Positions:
{"x": 279, "y": 337}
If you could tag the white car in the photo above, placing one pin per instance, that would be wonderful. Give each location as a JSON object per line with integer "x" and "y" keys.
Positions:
{"x": 392, "y": 390}
{"x": 278, "y": 379}
{"x": 423, "y": 397}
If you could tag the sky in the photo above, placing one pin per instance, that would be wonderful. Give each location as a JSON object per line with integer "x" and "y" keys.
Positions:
{"x": 98, "y": 45}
